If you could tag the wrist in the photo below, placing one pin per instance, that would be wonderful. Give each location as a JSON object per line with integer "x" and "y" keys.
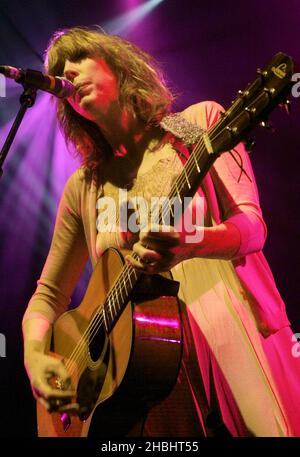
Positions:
{"x": 32, "y": 347}
{"x": 219, "y": 242}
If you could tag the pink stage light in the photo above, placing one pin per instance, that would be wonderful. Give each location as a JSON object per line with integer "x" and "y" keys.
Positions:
{"x": 125, "y": 21}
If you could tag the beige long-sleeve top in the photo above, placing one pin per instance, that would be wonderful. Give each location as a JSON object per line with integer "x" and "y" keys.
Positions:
{"x": 228, "y": 198}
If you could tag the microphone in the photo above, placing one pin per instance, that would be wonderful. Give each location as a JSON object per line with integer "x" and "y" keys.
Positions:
{"x": 55, "y": 85}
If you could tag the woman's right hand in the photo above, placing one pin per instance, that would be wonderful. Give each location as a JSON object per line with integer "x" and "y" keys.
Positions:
{"x": 50, "y": 382}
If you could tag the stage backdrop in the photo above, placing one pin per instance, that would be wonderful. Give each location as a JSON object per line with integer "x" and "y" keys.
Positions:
{"x": 209, "y": 50}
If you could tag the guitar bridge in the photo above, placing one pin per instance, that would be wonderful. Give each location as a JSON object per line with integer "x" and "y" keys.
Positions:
{"x": 154, "y": 286}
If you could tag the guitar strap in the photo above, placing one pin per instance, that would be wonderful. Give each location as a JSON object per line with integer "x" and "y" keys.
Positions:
{"x": 188, "y": 132}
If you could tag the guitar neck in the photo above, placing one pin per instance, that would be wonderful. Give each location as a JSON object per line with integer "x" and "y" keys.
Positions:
{"x": 118, "y": 296}
{"x": 270, "y": 88}
{"x": 186, "y": 185}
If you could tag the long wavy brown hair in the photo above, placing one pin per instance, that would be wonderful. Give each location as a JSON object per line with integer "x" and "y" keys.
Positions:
{"x": 142, "y": 86}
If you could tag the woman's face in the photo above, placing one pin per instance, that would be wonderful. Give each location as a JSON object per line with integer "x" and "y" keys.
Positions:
{"x": 96, "y": 86}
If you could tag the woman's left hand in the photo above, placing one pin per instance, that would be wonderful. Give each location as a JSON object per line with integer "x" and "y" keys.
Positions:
{"x": 160, "y": 248}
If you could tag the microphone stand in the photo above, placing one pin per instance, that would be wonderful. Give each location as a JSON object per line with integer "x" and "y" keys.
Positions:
{"x": 27, "y": 100}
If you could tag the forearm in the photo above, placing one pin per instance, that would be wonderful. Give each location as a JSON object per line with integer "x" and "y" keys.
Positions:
{"x": 36, "y": 332}
{"x": 41, "y": 367}
{"x": 160, "y": 250}
{"x": 219, "y": 242}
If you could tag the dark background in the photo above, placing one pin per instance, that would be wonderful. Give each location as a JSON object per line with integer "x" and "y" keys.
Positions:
{"x": 209, "y": 50}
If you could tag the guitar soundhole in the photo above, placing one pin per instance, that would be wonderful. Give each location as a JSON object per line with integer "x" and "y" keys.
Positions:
{"x": 97, "y": 341}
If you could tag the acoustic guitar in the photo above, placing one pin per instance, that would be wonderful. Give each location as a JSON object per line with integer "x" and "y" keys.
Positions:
{"x": 123, "y": 344}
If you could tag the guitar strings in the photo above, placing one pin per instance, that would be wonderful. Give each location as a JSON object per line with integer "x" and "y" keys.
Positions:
{"x": 115, "y": 291}
{"x": 98, "y": 319}
{"x": 111, "y": 300}
{"x": 124, "y": 277}
{"x": 93, "y": 324}
{"x": 125, "y": 274}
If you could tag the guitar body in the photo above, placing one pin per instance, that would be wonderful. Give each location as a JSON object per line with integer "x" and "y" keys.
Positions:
{"x": 137, "y": 363}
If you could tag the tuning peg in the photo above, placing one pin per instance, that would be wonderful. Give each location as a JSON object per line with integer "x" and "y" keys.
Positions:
{"x": 249, "y": 144}
{"x": 261, "y": 73}
{"x": 286, "y": 105}
{"x": 243, "y": 93}
{"x": 267, "y": 125}
{"x": 270, "y": 90}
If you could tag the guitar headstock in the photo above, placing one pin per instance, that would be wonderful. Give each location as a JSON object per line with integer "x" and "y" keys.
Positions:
{"x": 271, "y": 88}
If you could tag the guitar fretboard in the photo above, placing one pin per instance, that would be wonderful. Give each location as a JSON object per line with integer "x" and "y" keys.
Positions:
{"x": 270, "y": 88}
{"x": 185, "y": 185}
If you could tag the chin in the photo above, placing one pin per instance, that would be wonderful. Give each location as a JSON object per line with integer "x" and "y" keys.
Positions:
{"x": 85, "y": 109}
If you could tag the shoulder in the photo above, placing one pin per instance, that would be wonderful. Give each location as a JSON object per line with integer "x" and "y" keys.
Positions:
{"x": 203, "y": 113}
{"x": 77, "y": 181}
{"x": 76, "y": 189}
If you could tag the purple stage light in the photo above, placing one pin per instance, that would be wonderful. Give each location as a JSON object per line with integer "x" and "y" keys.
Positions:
{"x": 123, "y": 23}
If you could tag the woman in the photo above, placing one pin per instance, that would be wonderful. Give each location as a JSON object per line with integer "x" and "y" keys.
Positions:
{"x": 237, "y": 340}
